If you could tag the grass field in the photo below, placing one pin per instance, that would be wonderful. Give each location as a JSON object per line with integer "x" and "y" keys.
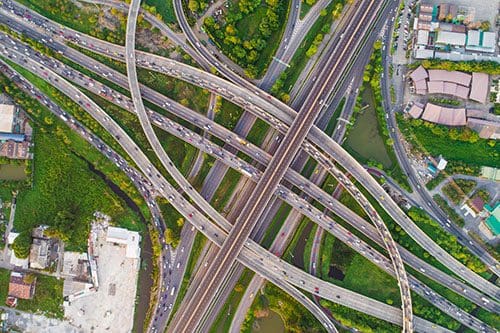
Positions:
{"x": 164, "y": 8}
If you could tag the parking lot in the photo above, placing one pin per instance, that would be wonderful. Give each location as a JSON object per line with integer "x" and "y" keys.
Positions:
{"x": 111, "y": 308}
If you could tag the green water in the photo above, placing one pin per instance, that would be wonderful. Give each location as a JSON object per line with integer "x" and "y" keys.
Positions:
{"x": 12, "y": 172}
{"x": 364, "y": 137}
{"x": 269, "y": 324}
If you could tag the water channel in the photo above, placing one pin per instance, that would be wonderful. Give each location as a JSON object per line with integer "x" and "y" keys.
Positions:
{"x": 145, "y": 281}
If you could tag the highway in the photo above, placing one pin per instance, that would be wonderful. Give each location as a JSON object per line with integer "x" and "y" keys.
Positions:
{"x": 421, "y": 191}
{"x": 203, "y": 224}
{"x": 276, "y": 169}
{"x": 219, "y": 131}
{"x": 331, "y": 148}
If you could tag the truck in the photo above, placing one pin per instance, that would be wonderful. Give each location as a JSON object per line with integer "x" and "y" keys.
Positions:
{"x": 172, "y": 291}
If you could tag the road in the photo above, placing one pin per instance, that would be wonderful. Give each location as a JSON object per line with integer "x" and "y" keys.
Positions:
{"x": 41, "y": 74}
{"x": 284, "y": 113}
{"x": 270, "y": 179}
{"x": 300, "y": 181}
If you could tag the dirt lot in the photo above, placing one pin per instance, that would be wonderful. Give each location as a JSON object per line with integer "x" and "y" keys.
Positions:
{"x": 111, "y": 308}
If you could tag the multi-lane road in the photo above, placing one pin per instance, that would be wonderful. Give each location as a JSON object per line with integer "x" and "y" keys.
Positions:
{"x": 312, "y": 151}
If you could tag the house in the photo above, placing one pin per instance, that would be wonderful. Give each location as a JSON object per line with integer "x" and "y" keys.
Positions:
{"x": 21, "y": 285}
{"x": 479, "y": 87}
{"x": 44, "y": 250}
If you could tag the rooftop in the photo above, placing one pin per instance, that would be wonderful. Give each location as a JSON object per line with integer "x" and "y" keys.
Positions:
{"x": 125, "y": 237}
{"x": 19, "y": 288}
{"x": 6, "y": 117}
{"x": 457, "y": 77}
{"x": 450, "y": 38}
{"x": 444, "y": 116}
{"x": 479, "y": 87}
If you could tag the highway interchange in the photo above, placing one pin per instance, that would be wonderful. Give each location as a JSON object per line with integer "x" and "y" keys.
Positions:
{"x": 241, "y": 147}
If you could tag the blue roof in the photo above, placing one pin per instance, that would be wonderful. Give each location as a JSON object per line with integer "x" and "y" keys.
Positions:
{"x": 12, "y": 136}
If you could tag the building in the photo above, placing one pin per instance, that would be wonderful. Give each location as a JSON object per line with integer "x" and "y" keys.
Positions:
{"x": 480, "y": 41}
{"x": 493, "y": 220}
{"x": 416, "y": 111}
{"x": 17, "y": 137}
{"x": 490, "y": 173}
{"x": 486, "y": 129}
{"x": 455, "y": 39}
{"x": 6, "y": 117}
{"x": 444, "y": 116}
{"x": 457, "y": 77}
{"x": 479, "y": 87}
{"x": 21, "y": 285}
{"x": 44, "y": 250}
{"x": 442, "y": 163}
{"x": 418, "y": 77}
{"x": 130, "y": 239}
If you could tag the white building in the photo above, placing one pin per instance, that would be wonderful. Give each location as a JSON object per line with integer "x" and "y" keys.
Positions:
{"x": 6, "y": 118}
{"x": 125, "y": 237}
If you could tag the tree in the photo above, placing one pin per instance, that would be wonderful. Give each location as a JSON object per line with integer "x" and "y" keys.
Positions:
{"x": 180, "y": 222}
{"x": 22, "y": 244}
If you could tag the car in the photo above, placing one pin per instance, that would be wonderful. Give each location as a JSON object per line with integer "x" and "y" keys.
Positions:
{"x": 316, "y": 290}
{"x": 190, "y": 214}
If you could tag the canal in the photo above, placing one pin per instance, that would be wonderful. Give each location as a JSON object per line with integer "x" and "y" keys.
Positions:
{"x": 145, "y": 281}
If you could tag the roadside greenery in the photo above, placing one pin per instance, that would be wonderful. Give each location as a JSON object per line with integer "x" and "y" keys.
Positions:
{"x": 249, "y": 33}
{"x": 65, "y": 191}
{"x": 456, "y": 195}
{"x": 450, "y": 212}
{"x": 456, "y": 144}
{"x": 295, "y": 317}
{"x": 173, "y": 220}
{"x": 489, "y": 67}
{"x": 446, "y": 241}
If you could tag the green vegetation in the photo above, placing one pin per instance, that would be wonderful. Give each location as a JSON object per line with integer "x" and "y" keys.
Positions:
{"x": 362, "y": 322}
{"x": 48, "y": 297}
{"x": 227, "y": 114}
{"x": 287, "y": 79}
{"x": 296, "y": 318}
{"x": 225, "y": 189}
{"x": 250, "y": 32}
{"x": 22, "y": 243}
{"x": 308, "y": 248}
{"x": 164, "y": 10}
{"x": 274, "y": 227}
{"x": 489, "y": 67}
{"x": 446, "y": 241}
{"x": 450, "y": 212}
{"x": 444, "y": 101}
{"x": 462, "y": 145}
{"x": 65, "y": 191}
{"x": 85, "y": 18}
{"x": 173, "y": 220}
{"x": 224, "y": 319}
{"x": 456, "y": 190}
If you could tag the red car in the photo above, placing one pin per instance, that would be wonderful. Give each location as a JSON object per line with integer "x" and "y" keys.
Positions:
{"x": 190, "y": 214}
{"x": 316, "y": 289}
